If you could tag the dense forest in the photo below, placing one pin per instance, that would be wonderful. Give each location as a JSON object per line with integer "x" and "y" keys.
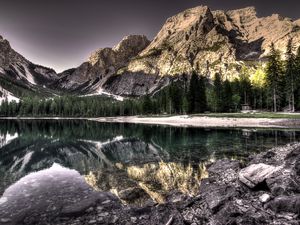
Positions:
{"x": 274, "y": 86}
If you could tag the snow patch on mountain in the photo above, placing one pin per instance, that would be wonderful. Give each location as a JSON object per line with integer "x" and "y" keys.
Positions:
{"x": 29, "y": 76}
{"x": 7, "y": 96}
{"x": 100, "y": 91}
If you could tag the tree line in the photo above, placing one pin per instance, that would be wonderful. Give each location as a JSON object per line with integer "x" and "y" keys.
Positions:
{"x": 273, "y": 87}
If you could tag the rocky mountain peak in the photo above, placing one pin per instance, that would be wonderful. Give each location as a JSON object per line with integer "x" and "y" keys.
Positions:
{"x": 8, "y": 55}
{"x": 297, "y": 23}
{"x": 105, "y": 62}
{"x": 100, "y": 54}
{"x": 129, "y": 47}
{"x": 214, "y": 41}
{"x": 132, "y": 44}
{"x": 244, "y": 15}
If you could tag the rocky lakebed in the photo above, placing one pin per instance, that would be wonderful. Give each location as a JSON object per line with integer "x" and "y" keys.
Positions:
{"x": 262, "y": 190}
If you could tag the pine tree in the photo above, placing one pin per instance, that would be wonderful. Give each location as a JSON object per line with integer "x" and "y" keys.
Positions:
{"x": 290, "y": 71}
{"x": 274, "y": 75}
{"x": 197, "y": 102}
{"x": 218, "y": 86}
{"x": 245, "y": 84}
{"x": 200, "y": 100}
{"x": 147, "y": 104}
{"x": 297, "y": 78}
{"x": 192, "y": 93}
{"x": 227, "y": 97}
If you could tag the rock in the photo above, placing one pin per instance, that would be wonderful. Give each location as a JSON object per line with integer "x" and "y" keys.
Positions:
{"x": 103, "y": 214}
{"x": 216, "y": 195}
{"x": 283, "y": 182}
{"x": 106, "y": 202}
{"x": 114, "y": 219}
{"x": 91, "y": 209}
{"x": 133, "y": 219}
{"x": 208, "y": 41}
{"x": 5, "y": 220}
{"x": 86, "y": 204}
{"x": 104, "y": 63}
{"x": 131, "y": 194}
{"x": 290, "y": 204}
{"x": 264, "y": 198}
{"x": 221, "y": 165}
{"x": 257, "y": 173}
{"x": 19, "y": 70}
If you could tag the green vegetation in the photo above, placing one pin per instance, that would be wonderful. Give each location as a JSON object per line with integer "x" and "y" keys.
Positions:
{"x": 216, "y": 47}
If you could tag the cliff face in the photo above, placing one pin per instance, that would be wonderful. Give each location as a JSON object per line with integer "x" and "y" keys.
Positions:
{"x": 213, "y": 41}
{"x": 17, "y": 73}
{"x": 102, "y": 64}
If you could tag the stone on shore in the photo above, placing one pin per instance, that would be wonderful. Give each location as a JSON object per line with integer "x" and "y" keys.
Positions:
{"x": 256, "y": 174}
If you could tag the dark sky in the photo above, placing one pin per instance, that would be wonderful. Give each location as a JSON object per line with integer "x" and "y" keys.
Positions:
{"x": 62, "y": 33}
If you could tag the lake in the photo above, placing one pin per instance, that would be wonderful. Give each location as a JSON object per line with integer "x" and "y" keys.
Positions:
{"x": 148, "y": 159}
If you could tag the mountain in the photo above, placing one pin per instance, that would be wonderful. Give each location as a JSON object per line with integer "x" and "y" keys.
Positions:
{"x": 18, "y": 75}
{"x": 106, "y": 70}
{"x": 214, "y": 41}
{"x": 197, "y": 39}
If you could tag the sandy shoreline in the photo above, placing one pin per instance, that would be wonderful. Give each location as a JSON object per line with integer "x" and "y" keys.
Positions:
{"x": 184, "y": 121}
{"x": 189, "y": 121}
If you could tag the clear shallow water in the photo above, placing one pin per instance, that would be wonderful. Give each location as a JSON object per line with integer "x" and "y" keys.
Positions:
{"x": 114, "y": 157}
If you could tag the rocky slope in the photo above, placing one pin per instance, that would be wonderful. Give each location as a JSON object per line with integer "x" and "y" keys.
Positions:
{"x": 103, "y": 68}
{"x": 18, "y": 73}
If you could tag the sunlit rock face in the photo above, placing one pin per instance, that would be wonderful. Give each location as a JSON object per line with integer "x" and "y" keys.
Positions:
{"x": 103, "y": 63}
{"x": 47, "y": 192}
{"x": 214, "y": 41}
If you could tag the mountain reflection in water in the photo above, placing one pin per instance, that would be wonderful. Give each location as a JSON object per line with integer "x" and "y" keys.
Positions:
{"x": 136, "y": 162}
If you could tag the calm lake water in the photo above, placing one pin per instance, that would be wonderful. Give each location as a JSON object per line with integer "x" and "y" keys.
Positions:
{"x": 114, "y": 157}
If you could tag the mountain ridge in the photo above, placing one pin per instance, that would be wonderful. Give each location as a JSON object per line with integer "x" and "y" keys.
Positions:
{"x": 196, "y": 39}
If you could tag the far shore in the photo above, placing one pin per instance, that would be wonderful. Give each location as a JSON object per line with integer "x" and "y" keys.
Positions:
{"x": 186, "y": 121}
{"x": 204, "y": 121}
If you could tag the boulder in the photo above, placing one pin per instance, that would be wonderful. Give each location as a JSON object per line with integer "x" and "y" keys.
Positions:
{"x": 218, "y": 196}
{"x": 256, "y": 174}
{"x": 283, "y": 182}
{"x": 290, "y": 204}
